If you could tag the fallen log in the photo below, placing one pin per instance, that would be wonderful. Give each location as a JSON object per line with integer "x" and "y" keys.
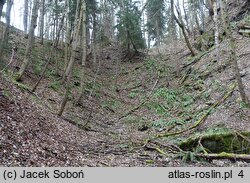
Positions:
{"x": 223, "y": 155}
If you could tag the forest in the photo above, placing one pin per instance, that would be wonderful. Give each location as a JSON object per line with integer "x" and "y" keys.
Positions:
{"x": 125, "y": 83}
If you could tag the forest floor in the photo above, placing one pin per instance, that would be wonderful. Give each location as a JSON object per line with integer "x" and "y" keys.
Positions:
{"x": 126, "y": 103}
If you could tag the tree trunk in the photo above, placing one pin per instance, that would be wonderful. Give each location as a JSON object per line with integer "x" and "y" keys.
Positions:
{"x": 64, "y": 101}
{"x": 25, "y": 16}
{"x": 237, "y": 70}
{"x": 216, "y": 30}
{"x": 192, "y": 20}
{"x": 158, "y": 39}
{"x": 182, "y": 26}
{"x": 41, "y": 20}
{"x": 106, "y": 20}
{"x": 5, "y": 36}
{"x": 233, "y": 57}
{"x": 54, "y": 47}
{"x": 125, "y": 11}
{"x": 223, "y": 16}
{"x": 67, "y": 75}
{"x": 210, "y": 7}
{"x": 172, "y": 27}
{"x": 55, "y": 20}
{"x": 68, "y": 37}
{"x": 197, "y": 23}
{"x": 149, "y": 41}
{"x": 185, "y": 17}
{"x": 47, "y": 26}
{"x": 74, "y": 43}
{"x": 84, "y": 50}
{"x": 2, "y": 2}
{"x": 33, "y": 25}
{"x": 202, "y": 14}
{"x": 94, "y": 33}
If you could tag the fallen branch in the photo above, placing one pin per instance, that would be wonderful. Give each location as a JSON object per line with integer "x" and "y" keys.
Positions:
{"x": 79, "y": 125}
{"x": 132, "y": 110}
{"x": 157, "y": 149}
{"x": 130, "y": 88}
{"x": 142, "y": 103}
{"x": 185, "y": 76}
{"x": 155, "y": 84}
{"x": 201, "y": 146}
{"x": 224, "y": 155}
{"x": 115, "y": 97}
{"x": 198, "y": 58}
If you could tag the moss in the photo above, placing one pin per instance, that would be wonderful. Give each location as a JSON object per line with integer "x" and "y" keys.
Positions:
{"x": 149, "y": 161}
{"x": 228, "y": 142}
{"x": 55, "y": 85}
{"x": 224, "y": 154}
{"x": 21, "y": 85}
{"x": 229, "y": 155}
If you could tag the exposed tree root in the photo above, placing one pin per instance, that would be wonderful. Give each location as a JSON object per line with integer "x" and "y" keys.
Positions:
{"x": 181, "y": 153}
{"x": 242, "y": 136}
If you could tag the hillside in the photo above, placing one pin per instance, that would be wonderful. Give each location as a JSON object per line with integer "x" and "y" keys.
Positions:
{"x": 161, "y": 107}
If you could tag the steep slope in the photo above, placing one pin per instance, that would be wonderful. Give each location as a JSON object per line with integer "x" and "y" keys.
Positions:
{"x": 32, "y": 136}
{"x": 126, "y": 103}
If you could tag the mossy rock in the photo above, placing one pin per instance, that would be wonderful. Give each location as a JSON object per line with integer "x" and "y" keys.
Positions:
{"x": 228, "y": 142}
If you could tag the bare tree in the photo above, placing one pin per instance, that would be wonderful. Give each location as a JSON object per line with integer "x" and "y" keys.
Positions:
{"x": 41, "y": 20}
{"x": 84, "y": 49}
{"x": 182, "y": 26}
{"x": 233, "y": 57}
{"x": 2, "y": 2}
{"x": 202, "y": 14}
{"x": 210, "y": 7}
{"x": 50, "y": 55}
{"x": 216, "y": 28}
{"x": 74, "y": 43}
{"x": 67, "y": 76}
{"x": 33, "y": 25}
{"x": 25, "y": 16}
{"x": 5, "y": 35}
